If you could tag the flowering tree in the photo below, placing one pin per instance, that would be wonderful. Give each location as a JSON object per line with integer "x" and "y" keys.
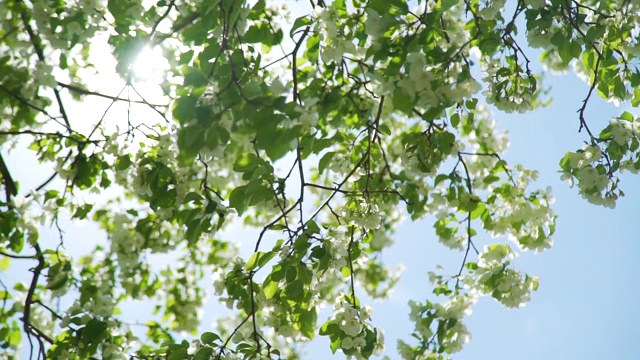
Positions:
{"x": 322, "y": 130}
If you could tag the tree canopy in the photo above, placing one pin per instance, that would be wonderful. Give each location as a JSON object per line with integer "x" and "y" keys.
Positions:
{"x": 320, "y": 124}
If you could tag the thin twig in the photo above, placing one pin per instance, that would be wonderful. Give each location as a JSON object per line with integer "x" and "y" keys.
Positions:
{"x": 83, "y": 91}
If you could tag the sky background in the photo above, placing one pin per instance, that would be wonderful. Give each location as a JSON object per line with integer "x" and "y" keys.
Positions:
{"x": 587, "y": 305}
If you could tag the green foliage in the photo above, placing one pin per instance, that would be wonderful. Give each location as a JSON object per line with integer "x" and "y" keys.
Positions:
{"x": 322, "y": 130}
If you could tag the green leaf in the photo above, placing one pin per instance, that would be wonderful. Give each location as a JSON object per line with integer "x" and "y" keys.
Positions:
{"x": 386, "y": 6}
{"x": 308, "y": 320}
{"x": 270, "y": 289}
{"x": 194, "y": 77}
{"x": 14, "y": 338}
{"x": 627, "y": 116}
{"x": 5, "y": 262}
{"x": 595, "y": 32}
{"x": 402, "y": 101}
{"x": 276, "y": 142}
{"x": 209, "y": 338}
{"x": 335, "y": 344}
{"x": 178, "y": 354}
{"x": 565, "y": 163}
{"x": 50, "y": 194}
{"x": 295, "y": 290}
{"x": 312, "y": 227}
{"x": 447, "y": 4}
{"x": 325, "y": 161}
{"x": 329, "y": 328}
{"x": 298, "y": 23}
{"x": 123, "y": 162}
{"x": 490, "y": 179}
{"x": 345, "y": 271}
{"x": 16, "y": 241}
{"x": 82, "y": 211}
{"x": 318, "y": 252}
{"x": 184, "y": 109}
{"x": 384, "y": 128}
{"x": 455, "y": 120}
{"x": 489, "y": 43}
{"x": 313, "y": 48}
{"x": 237, "y": 199}
{"x": 301, "y": 245}
{"x": 93, "y": 332}
{"x": 471, "y": 266}
{"x": 246, "y": 162}
{"x": 58, "y": 276}
{"x": 478, "y": 211}
{"x": 204, "y": 353}
{"x": 258, "y": 260}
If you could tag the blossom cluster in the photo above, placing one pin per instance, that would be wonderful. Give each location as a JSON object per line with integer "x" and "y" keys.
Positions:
{"x": 509, "y": 89}
{"x": 495, "y": 278}
{"x": 355, "y": 329}
{"x": 448, "y": 315}
{"x": 339, "y": 245}
{"x": 527, "y": 219}
{"x": 364, "y": 214}
{"x": 336, "y": 42}
{"x": 587, "y": 167}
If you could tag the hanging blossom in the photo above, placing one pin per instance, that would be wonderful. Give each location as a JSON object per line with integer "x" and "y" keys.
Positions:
{"x": 509, "y": 88}
{"x": 586, "y": 167}
{"x": 428, "y": 317}
{"x": 335, "y": 43}
{"x": 493, "y": 277}
{"x": 355, "y": 328}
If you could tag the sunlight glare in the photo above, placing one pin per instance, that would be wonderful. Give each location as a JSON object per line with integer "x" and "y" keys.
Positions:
{"x": 150, "y": 65}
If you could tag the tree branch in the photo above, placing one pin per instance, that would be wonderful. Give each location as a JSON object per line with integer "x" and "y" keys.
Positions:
{"x": 83, "y": 91}
{"x": 9, "y": 185}
{"x": 35, "y": 41}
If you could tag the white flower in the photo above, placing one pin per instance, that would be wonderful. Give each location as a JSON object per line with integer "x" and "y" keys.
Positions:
{"x": 359, "y": 342}
{"x": 589, "y": 178}
{"x": 408, "y": 86}
{"x": 218, "y": 281}
{"x": 21, "y": 203}
{"x": 309, "y": 119}
{"x": 373, "y": 24}
{"x": 405, "y": 351}
{"x": 380, "y": 240}
{"x": 371, "y": 221}
{"x": 460, "y": 336}
{"x": 277, "y": 87}
{"x": 193, "y": 347}
{"x": 346, "y": 343}
{"x": 286, "y": 331}
{"x": 379, "y": 348}
{"x": 417, "y": 62}
{"x": 113, "y": 352}
{"x": 494, "y": 254}
{"x": 416, "y": 310}
{"x": 424, "y": 330}
{"x": 620, "y": 133}
{"x": 455, "y": 241}
{"x": 43, "y": 75}
{"x": 74, "y": 28}
{"x": 351, "y": 327}
{"x": 576, "y": 160}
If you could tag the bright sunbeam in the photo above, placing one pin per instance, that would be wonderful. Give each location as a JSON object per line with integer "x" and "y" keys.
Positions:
{"x": 150, "y": 65}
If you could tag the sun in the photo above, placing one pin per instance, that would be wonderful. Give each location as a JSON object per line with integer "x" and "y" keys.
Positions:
{"x": 150, "y": 65}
